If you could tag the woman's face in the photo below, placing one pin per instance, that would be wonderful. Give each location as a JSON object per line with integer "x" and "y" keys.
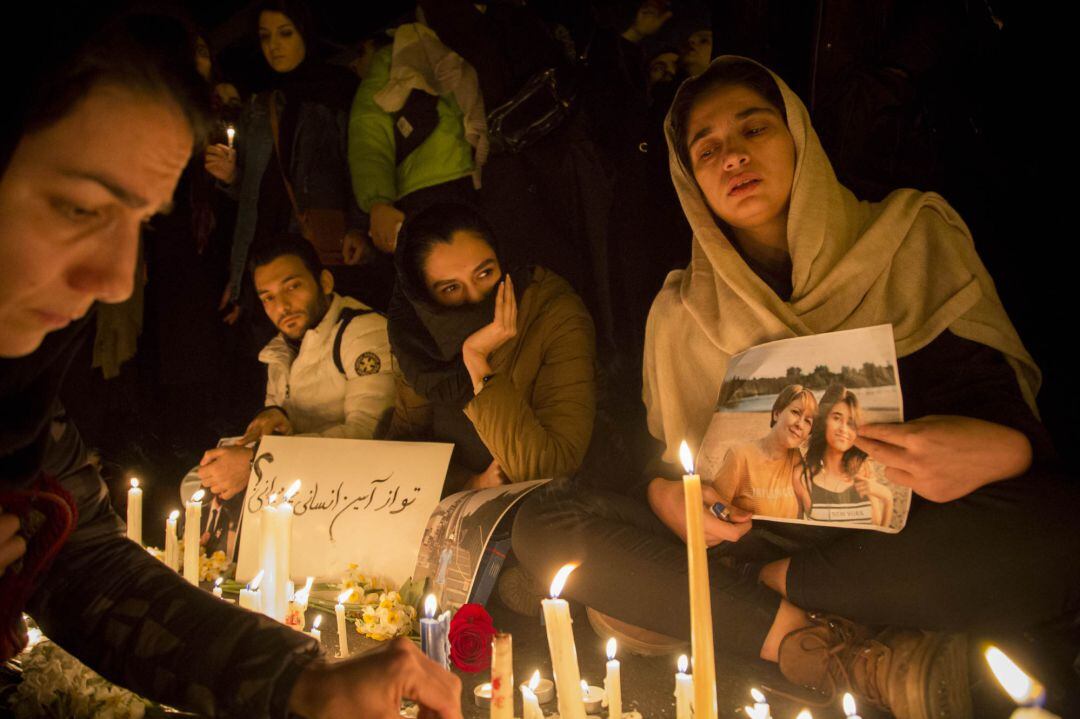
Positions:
{"x": 840, "y": 427}
{"x": 282, "y": 45}
{"x": 793, "y": 424}
{"x": 742, "y": 156}
{"x": 202, "y": 58}
{"x": 697, "y": 53}
{"x": 461, "y": 271}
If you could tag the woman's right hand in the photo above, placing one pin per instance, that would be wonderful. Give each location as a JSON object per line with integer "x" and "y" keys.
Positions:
{"x": 220, "y": 161}
{"x": 666, "y": 499}
{"x": 12, "y": 544}
{"x": 227, "y": 303}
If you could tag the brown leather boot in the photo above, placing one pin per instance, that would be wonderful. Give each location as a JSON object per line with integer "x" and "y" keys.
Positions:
{"x": 911, "y": 673}
{"x": 635, "y": 640}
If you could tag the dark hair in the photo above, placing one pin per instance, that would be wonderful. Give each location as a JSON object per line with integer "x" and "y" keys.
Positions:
{"x": 815, "y": 452}
{"x": 266, "y": 251}
{"x": 722, "y": 73}
{"x": 432, "y": 225}
{"x": 150, "y": 54}
{"x": 298, "y": 12}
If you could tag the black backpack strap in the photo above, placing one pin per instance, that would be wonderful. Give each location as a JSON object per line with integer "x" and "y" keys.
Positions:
{"x": 347, "y": 315}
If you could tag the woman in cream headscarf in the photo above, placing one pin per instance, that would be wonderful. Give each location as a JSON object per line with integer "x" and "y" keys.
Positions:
{"x": 781, "y": 249}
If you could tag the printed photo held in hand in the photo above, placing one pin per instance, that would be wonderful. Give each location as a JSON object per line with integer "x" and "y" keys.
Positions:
{"x": 782, "y": 442}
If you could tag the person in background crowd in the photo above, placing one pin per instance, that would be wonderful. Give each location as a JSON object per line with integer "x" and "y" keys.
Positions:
{"x": 663, "y": 66}
{"x": 697, "y": 52}
{"x": 328, "y": 370}
{"x": 502, "y": 367}
{"x": 288, "y": 169}
{"x": 71, "y": 211}
{"x": 782, "y": 249}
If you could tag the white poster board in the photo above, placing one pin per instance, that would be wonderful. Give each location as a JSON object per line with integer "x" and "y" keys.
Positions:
{"x": 361, "y": 502}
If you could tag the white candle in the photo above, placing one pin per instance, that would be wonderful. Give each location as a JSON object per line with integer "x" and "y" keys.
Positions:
{"x": 343, "y": 635}
{"x": 134, "y": 512}
{"x": 544, "y": 689}
{"x": 481, "y": 695}
{"x": 805, "y": 714}
{"x": 530, "y": 705}
{"x": 761, "y": 706}
{"x": 315, "y": 632}
{"x": 613, "y": 683}
{"x": 1027, "y": 692}
{"x": 701, "y": 638}
{"x": 592, "y": 697}
{"x": 192, "y": 517}
{"x": 849, "y": 706}
{"x": 172, "y": 547}
{"x": 250, "y": 597}
{"x": 230, "y": 135}
{"x": 275, "y": 551}
{"x": 684, "y": 690}
{"x": 560, "y": 636}
{"x": 217, "y": 588}
{"x": 502, "y": 676}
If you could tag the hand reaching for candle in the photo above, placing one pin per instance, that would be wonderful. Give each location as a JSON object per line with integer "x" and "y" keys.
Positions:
{"x": 374, "y": 684}
{"x": 224, "y": 470}
{"x": 12, "y": 545}
{"x": 667, "y": 503}
{"x": 220, "y": 161}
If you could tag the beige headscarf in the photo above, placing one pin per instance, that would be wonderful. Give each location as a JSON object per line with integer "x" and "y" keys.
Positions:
{"x": 908, "y": 260}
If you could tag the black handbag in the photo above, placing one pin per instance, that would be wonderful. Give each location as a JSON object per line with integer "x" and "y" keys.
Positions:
{"x": 540, "y": 106}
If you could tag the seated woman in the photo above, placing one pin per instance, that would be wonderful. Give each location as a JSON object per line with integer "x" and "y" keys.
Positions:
{"x": 763, "y": 476}
{"x": 837, "y": 484}
{"x": 501, "y": 366}
{"x": 781, "y": 249}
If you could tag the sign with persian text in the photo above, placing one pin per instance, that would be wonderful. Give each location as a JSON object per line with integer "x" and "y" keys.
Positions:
{"x": 362, "y": 502}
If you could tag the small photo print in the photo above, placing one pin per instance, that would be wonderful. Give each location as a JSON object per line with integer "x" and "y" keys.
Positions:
{"x": 781, "y": 441}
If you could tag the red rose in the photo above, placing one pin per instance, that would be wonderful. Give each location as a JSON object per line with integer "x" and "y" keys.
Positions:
{"x": 471, "y": 631}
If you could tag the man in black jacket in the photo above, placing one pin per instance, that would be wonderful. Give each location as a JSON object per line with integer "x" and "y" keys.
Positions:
{"x": 92, "y": 147}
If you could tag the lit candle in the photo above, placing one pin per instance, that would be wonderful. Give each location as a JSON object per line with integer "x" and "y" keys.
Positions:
{"x": 481, "y": 695}
{"x": 275, "y": 550}
{"x": 530, "y": 706}
{"x": 544, "y": 689}
{"x": 613, "y": 683}
{"x": 250, "y": 598}
{"x": 502, "y": 676}
{"x": 230, "y": 135}
{"x": 761, "y": 706}
{"x": 805, "y": 714}
{"x": 315, "y": 634}
{"x": 849, "y": 706}
{"x": 700, "y": 604}
{"x": 435, "y": 633}
{"x": 343, "y": 635}
{"x": 134, "y": 512}
{"x": 593, "y": 697}
{"x": 560, "y": 636}
{"x": 172, "y": 547}
{"x": 217, "y": 588}
{"x": 192, "y": 517}
{"x": 684, "y": 690}
{"x": 1027, "y": 692}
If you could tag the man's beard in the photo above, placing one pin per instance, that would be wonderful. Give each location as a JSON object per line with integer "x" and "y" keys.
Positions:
{"x": 314, "y": 313}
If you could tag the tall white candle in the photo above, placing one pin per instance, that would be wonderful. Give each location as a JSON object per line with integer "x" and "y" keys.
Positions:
{"x": 560, "y": 636}
{"x": 502, "y": 676}
{"x": 192, "y": 517}
{"x": 684, "y": 689}
{"x": 701, "y": 637}
{"x": 529, "y": 704}
{"x": 343, "y": 635}
{"x": 275, "y": 551}
{"x": 250, "y": 597}
{"x": 172, "y": 546}
{"x": 134, "y": 512}
{"x": 613, "y": 683}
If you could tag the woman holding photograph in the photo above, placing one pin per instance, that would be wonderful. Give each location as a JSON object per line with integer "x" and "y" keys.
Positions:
{"x": 762, "y": 476}
{"x": 837, "y": 483}
{"x": 782, "y": 249}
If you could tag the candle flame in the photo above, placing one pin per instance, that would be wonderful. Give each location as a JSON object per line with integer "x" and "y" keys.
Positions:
{"x": 174, "y": 515}
{"x": 430, "y": 606}
{"x": 485, "y": 687}
{"x": 527, "y": 694}
{"x": 230, "y": 131}
{"x": 805, "y": 714}
{"x": 272, "y": 500}
{"x": 758, "y": 696}
{"x": 318, "y": 620}
{"x": 611, "y": 647}
{"x": 218, "y": 581}
{"x": 584, "y": 689}
{"x": 134, "y": 482}
{"x": 684, "y": 664}
{"x": 253, "y": 585}
{"x": 307, "y": 585}
{"x": 849, "y": 704}
{"x": 293, "y": 489}
{"x": 198, "y": 496}
{"x": 535, "y": 681}
{"x": 344, "y": 596}
{"x": 559, "y": 581}
{"x": 1012, "y": 678}
{"x": 686, "y": 458}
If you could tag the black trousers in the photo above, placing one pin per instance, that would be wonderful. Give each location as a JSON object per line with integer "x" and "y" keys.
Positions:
{"x": 1004, "y": 558}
